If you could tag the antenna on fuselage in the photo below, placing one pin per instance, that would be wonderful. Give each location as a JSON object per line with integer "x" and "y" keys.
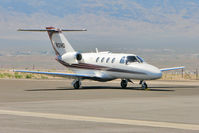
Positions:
{"x": 96, "y": 50}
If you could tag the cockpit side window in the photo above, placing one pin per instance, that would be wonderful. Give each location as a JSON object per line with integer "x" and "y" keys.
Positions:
{"x": 132, "y": 59}
{"x": 122, "y": 60}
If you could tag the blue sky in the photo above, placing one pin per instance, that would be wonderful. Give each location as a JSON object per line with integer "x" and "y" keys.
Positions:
{"x": 130, "y": 23}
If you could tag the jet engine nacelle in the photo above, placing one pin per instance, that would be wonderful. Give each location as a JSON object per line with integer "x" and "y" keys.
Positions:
{"x": 72, "y": 57}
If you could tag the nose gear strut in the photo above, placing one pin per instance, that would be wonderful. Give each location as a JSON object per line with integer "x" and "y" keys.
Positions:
{"x": 144, "y": 84}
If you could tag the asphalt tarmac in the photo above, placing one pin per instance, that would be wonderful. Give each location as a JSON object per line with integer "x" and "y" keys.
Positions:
{"x": 49, "y": 106}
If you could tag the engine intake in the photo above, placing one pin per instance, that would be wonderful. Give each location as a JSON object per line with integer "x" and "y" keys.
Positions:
{"x": 79, "y": 56}
{"x": 72, "y": 57}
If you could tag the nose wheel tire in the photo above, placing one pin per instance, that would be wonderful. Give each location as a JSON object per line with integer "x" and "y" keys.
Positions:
{"x": 76, "y": 85}
{"x": 124, "y": 83}
{"x": 144, "y": 86}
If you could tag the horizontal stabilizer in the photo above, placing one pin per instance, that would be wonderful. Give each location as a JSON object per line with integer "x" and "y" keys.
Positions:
{"x": 55, "y": 74}
{"x": 172, "y": 68}
{"x": 44, "y": 30}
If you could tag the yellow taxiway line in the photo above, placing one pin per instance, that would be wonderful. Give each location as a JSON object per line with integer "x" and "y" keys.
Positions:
{"x": 103, "y": 120}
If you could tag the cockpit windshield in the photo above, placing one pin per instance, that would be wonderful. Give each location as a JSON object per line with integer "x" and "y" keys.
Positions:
{"x": 131, "y": 59}
{"x": 140, "y": 59}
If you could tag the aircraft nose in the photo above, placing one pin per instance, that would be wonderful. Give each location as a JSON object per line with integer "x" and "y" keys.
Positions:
{"x": 158, "y": 73}
{"x": 155, "y": 72}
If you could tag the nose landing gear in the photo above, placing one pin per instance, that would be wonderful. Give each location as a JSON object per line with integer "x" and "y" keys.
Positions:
{"x": 144, "y": 85}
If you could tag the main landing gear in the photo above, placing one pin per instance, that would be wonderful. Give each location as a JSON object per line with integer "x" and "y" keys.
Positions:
{"x": 76, "y": 83}
{"x": 124, "y": 83}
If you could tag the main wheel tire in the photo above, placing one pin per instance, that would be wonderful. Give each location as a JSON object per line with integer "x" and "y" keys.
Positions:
{"x": 76, "y": 85}
{"x": 144, "y": 86}
{"x": 124, "y": 84}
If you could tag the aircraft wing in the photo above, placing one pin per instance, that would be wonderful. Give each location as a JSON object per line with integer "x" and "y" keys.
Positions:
{"x": 172, "y": 68}
{"x": 56, "y": 74}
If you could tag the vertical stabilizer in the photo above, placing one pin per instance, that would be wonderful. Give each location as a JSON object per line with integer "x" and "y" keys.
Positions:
{"x": 59, "y": 42}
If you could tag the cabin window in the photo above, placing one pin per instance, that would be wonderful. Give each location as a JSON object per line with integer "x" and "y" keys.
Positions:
{"x": 102, "y": 60}
{"x": 97, "y": 59}
{"x": 113, "y": 60}
{"x": 122, "y": 61}
{"x": 107, "y": 60}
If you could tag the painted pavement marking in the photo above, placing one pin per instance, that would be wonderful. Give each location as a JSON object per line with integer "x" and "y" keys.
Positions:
{"x": 103, "y": 120}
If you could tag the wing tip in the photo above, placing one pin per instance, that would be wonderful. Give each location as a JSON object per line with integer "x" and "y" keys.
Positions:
{"x": 172, "y": 68}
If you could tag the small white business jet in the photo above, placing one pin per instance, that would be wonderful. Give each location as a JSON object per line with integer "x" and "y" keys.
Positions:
{"x": 99, "y": 66}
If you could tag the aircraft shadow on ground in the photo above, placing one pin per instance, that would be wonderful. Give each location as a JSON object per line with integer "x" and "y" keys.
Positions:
{"x": 155, "y": 88}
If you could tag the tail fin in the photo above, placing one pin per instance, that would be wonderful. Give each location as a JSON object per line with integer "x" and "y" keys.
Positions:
{"x": 58, "y": 40}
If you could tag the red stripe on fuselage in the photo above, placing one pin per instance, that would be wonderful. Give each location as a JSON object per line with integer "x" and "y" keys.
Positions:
{"x": 97, "y": 67}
